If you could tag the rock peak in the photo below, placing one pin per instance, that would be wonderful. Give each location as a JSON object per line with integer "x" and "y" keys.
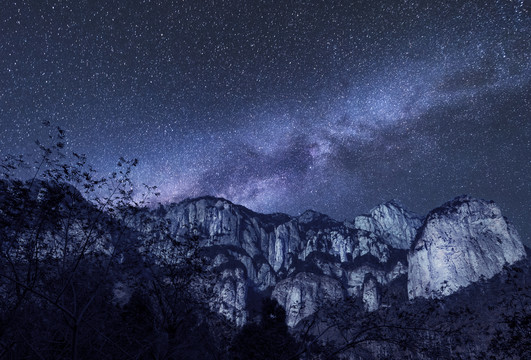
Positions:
{"x": 460, "y": 242}
{"x": 391, "y": 222}
{"x": 309, "y": 216}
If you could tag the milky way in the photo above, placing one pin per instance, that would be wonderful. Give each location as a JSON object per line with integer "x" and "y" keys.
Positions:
{"x": 282, "y": 105}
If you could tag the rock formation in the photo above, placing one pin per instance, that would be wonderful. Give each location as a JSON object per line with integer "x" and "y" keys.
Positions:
{"x": 459, "y": 243}
{"x": 302, "y": 294}
{"x": 307, "y": 260}
{"x": 302, "y": 260}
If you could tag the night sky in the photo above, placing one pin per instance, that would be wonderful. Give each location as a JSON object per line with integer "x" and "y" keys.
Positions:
{"x": 282, "y": 105}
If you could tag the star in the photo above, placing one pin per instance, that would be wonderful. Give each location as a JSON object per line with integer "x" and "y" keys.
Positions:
{"x": 281, "y": 106}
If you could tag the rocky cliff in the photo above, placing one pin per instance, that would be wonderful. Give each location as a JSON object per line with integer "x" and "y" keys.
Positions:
{"x": 459, "y": 243}
{"x": 302, "y": 261}
{"x": 310, "y": 259}
{"x": 392, "y": 223}
{"x": 178, "y": 271}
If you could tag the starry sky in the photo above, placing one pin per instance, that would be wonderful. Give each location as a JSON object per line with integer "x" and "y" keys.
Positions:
{"x": 283, "y": 105}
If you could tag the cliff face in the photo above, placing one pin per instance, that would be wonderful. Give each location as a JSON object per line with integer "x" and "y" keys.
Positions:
{"x": 302, "y": 294}
{"x": 302, "y": 261}
{"x": 307, "y": 260}
{"x": 395, "y": 225}
{"x": 459, "y": 243}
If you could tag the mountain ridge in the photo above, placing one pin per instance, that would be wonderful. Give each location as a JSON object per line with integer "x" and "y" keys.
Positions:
{"x": 376, "y": 246}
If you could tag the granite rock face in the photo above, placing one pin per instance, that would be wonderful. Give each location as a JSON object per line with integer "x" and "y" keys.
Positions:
{"x": 371, "y": 293}
{"x": 303, "y": 261}
{"x": 302, "y": 294}
{"x": 231, "y": 290}
{"x": 459, "y": 243}
{"x": 310, "y": 259}
{"x": 277, "y": 252}
{"x": 392, "y": 223}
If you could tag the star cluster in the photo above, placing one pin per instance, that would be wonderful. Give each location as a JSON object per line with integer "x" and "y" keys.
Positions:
{"x": 282, "y": 105}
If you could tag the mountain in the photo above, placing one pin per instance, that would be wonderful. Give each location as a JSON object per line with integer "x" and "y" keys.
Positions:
{"x": 394, "y": 225}
{"x": 307, "y": 260}
{"x": 459, "y": 243}
{"x": 301, "y": 261}
{"x": 172, "y": 278}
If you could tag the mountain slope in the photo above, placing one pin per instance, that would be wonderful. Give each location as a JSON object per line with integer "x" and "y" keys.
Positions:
{"x": 461, "y": 242}
{"x": 310, "y": 259}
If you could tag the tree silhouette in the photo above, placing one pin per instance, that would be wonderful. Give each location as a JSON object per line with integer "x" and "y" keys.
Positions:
{"x": 68, "y": 235}
{"x": 512, "y": 338}
{"x": 268, "y": 339}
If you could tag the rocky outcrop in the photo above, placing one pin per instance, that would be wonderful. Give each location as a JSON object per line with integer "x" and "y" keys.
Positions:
{"x": 231, "y": 295}
{"x": 270, "y": 248}
{"x": 356, "y": 275}
{"x": 310, "y": 259}
{"x": 218, "y": 222}
{"x": 459, "y": 243}
{"x": 302, "y": 294}
{"x": 392, "y": 223}
{"x": 371, "y": 293}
